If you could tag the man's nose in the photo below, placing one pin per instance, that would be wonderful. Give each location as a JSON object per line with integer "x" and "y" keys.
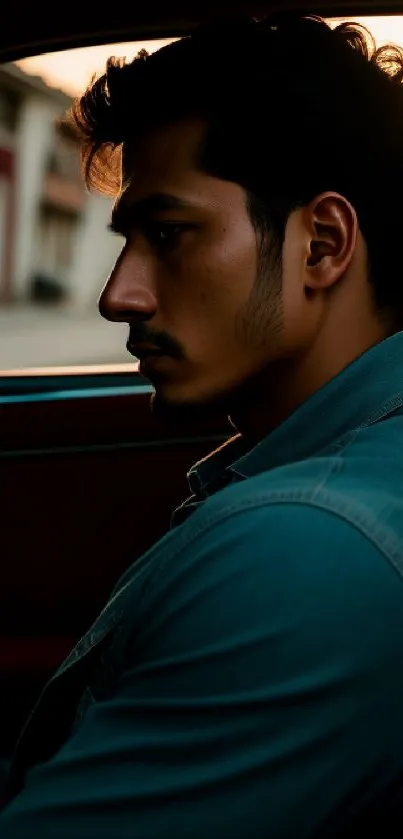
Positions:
{"x": 129, "y": 292}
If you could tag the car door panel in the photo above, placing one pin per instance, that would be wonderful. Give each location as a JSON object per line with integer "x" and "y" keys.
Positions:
{"x": 89, "y": 481}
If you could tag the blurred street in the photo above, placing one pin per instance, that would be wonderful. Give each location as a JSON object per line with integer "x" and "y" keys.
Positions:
{"x": 44, "y": 336}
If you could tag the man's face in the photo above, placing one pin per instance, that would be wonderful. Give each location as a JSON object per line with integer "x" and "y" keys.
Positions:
{"x": 203, "y": 317}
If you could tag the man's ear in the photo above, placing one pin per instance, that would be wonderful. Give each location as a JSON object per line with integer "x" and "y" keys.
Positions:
{"x": 333, "y": 234}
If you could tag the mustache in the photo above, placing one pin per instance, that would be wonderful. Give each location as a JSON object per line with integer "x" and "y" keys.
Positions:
{"x": 140, "y": 333}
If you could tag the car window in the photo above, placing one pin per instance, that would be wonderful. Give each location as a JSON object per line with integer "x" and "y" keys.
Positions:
{"x": 55, "y": 249}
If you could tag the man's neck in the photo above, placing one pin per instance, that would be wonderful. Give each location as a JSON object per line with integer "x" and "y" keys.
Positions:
{"x": 269, "y": 398}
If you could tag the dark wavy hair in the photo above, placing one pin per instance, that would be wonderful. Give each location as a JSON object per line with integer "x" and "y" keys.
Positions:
{"x": 292, "y": 108}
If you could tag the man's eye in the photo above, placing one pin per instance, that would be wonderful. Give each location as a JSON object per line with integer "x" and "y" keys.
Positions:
{"x": 165, "y": 235}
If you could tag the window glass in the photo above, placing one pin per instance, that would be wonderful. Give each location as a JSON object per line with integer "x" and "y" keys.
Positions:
{"x": 55, "y": 249}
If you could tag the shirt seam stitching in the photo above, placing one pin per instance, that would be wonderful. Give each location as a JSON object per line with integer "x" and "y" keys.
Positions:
{"x": 278, "y": 497}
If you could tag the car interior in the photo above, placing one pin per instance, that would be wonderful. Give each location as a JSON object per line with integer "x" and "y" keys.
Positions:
{"x": 84, "y": 462}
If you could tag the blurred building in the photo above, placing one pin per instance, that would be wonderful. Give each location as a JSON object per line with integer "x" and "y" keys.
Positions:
{"x": 54, "y": 245}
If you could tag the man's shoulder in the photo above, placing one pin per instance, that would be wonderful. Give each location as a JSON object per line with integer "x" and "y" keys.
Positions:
{"x": 350, "y": 500}
{"x": 351, "y": 489}
{"x": 291, "y": 568}
{"x": 286, "y": 515}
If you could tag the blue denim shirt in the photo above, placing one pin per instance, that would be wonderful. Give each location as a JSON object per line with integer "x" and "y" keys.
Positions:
{"x": 245, "y": 679}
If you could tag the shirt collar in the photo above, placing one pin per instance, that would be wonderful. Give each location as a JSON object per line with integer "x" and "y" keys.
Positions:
{"x": 365, "y": 391}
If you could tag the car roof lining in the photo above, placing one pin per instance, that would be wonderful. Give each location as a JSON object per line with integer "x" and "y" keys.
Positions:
{"x": 36, "y": 31}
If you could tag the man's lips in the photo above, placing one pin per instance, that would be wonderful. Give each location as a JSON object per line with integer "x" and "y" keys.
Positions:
{"x": 143, "y": 350}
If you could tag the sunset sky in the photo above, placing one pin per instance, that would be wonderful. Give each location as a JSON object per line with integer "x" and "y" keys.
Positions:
{"x": 71, "y": 70}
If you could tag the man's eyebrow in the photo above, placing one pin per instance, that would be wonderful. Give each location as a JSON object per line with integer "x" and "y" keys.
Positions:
{"x": 127, "y": 215}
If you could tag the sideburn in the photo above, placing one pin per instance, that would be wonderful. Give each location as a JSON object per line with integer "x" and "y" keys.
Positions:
{"x": 261, "y": 321}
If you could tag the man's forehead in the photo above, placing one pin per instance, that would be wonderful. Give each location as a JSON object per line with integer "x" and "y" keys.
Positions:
{"x": 168, "y": 149}
{"x": 163, "y": 172}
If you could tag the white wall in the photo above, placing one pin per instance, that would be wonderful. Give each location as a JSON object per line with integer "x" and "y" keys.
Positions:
{"x": 94, "y": 248}
{"x": 95, "y": 252}
{"x": 33, "y": 143}
{"x": 4, "y": 209}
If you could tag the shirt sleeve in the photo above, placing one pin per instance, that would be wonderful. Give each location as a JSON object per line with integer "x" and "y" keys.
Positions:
{"x": 262, "y": 693}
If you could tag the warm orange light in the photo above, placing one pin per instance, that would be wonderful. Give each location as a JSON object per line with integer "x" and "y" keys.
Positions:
{"x": 71, "y": 70}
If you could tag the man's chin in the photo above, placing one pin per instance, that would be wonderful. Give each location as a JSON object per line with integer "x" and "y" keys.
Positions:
{"x": 179, "y": 410}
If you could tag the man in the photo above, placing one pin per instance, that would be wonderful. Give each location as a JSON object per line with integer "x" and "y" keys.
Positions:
{"x": 245, "y": 678}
